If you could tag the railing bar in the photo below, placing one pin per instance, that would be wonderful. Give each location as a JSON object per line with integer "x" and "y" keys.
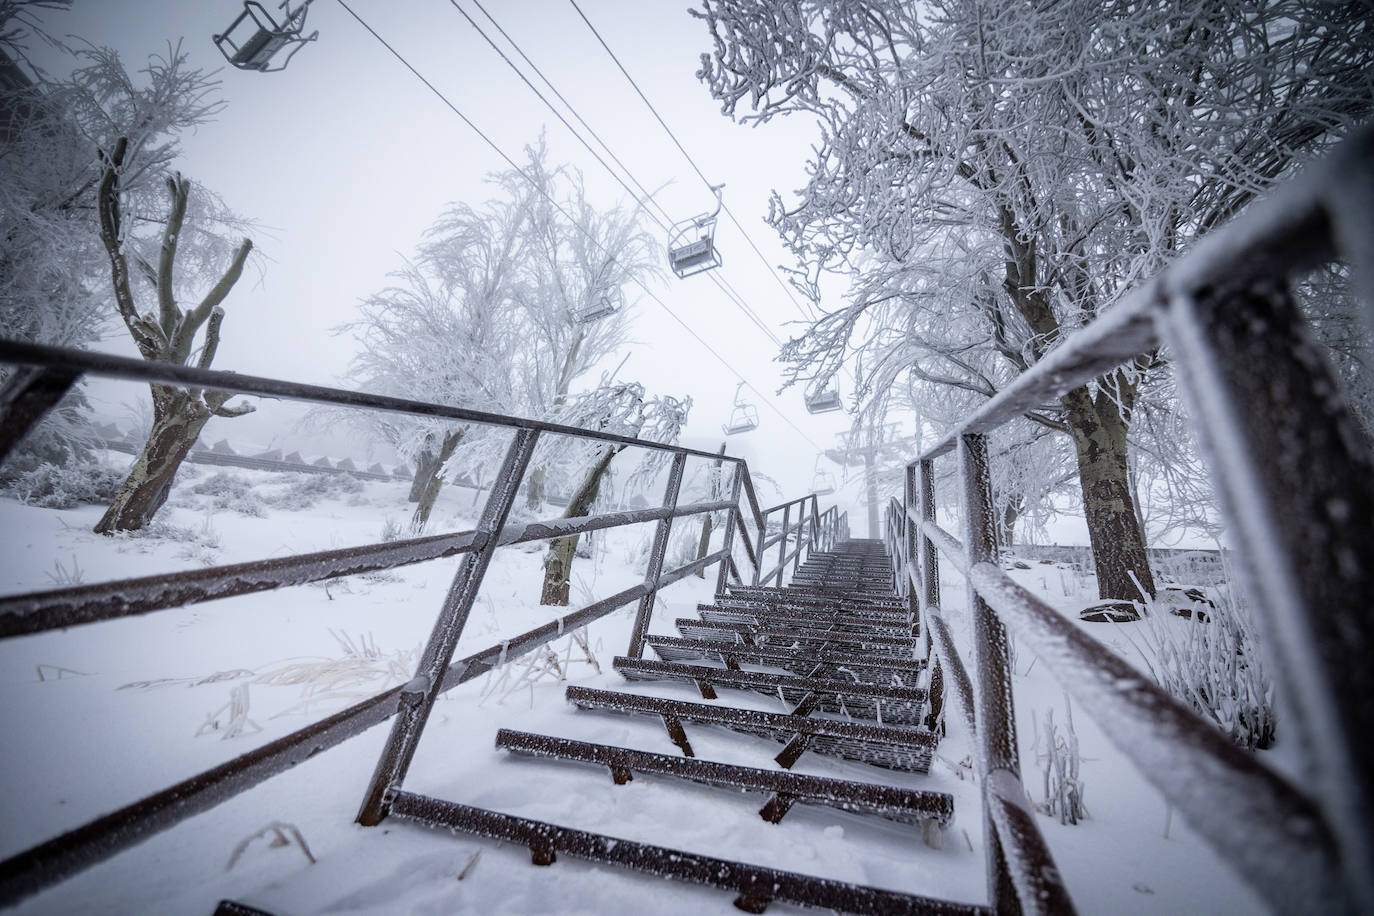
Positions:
{"x": 947, "y": 544}
{"x": 953, "y": 663}
{"x": 37, "y": 612}
{"x": 1038, "y": 889}
{"x": 109, "y": 365}
{"x": 657, "y": 552}
{"x": 1273, "y": 834}
{"x": 25, "y": 399}
{"x": 410, "y": 722}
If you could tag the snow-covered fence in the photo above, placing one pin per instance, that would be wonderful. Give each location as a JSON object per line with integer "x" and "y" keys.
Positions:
{"x": 1296, "y": 480}
{"x": 45, "y": 374}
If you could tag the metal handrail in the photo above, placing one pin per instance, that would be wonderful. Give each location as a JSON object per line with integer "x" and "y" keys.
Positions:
{"x": 46, "y": 373}
{"x": 1300, "y": 502}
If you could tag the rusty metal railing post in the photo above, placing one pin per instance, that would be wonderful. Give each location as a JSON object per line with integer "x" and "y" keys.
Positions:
{"x": 929, "y": 591}
{"x": 656, "y": 554}
{"x": 996, "y": 714}
{"x": 1296, "y": 485}
{"x": 26, "y": 397}
{"x": 911, "y": 549}
{"x": 763, "y": 541}
{"x": 782, "y": 544}
{"x": 417, "y": 699}
{"x": 728, "y": 540}
{"x": 801, "y": 523}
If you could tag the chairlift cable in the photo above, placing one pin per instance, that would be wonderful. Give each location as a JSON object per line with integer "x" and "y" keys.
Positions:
{"x": 688, "y": 156}
{"x": 730, "y": 292}
{"x": 512, "y": 163}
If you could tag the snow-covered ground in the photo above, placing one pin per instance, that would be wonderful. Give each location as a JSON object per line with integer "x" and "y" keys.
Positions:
{"x": 100, "y": 715}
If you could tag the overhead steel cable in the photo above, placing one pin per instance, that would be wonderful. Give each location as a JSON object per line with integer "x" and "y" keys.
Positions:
{"x": 688, "y": 156}
{"x": 512, "y": 163}
{"x": 735, "y": 297}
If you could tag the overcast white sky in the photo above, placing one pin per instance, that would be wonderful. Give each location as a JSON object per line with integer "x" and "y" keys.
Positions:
{"x": 345, "y": 158}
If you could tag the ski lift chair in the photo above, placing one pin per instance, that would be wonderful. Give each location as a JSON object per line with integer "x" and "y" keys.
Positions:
{"x": 823, "y": 401}
{"x": 823, "y": 482}
{"x": 743, "y": 417}
{"x": 254, "y": 38}
{"x": 692, "y": 242}
{"x": 599, "y": 305}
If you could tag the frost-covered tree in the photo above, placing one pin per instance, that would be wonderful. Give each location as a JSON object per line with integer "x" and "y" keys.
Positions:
{"x": 617, "y": 408}
{"x": 492, "y": 315}
{"x": 992, "y": 176}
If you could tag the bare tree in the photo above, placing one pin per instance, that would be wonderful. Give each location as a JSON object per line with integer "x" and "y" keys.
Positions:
{"x": 167, "y": 335}
{"x": 992, "y": 176}
{"x": 619, "y": 408}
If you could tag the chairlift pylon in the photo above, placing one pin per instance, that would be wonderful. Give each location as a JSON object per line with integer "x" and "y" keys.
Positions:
{"x": 822, "y": 481}
{"x": 743, "y": 417}
{"x": 254, "y": 37}
{"x": 692, "y": 242}
{"x": 824, "y": 401}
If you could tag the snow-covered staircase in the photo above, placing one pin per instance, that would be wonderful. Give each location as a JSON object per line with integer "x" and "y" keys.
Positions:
{"x": 839, "y": 649}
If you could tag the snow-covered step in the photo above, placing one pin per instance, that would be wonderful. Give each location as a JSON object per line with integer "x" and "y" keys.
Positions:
{"x": 832, "y": 610}
{"x": 909, "y": 806}
{"x": 891, "y": 705}
{"x": 755, "y": 885}
{"x": 863, "y": 669}
{"x": 842, "y": 593}
{"x": 752, "y": 616}
{"x": 799, "y": 635}
{"x": 891, "y": 746}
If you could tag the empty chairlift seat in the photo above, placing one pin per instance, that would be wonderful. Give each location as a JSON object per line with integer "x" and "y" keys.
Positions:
{"x": 692, "y": 242}
{"x": 598, "y": 305}
{"x": 823, "y": 401}
{"x": 743, "y": 416}
{"x": 254, "y": 38}
{"x": 822, "y": 481}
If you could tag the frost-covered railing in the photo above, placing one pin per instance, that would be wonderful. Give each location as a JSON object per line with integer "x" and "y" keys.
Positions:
{"x": 44, "y": 374}
{"x": 1295, "y": 479}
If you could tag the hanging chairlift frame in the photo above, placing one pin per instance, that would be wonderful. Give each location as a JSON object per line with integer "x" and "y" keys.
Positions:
{"x": 255, "y": 52}
{"x": 824, "y": 401}
{"x": 601, "y": 305}
{"x": 822, "y": 481}
{"x": 743, "y": 417}
{"x": 692, "y": 242}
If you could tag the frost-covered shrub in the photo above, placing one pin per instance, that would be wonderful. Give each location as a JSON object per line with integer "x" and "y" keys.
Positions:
{"x": 230, "y": 491}
{"x": 1212, "y": 662}
{"x": 307, "y": 489}
{"x": 65, "y": 487}
{"x": 1060, "y": 760}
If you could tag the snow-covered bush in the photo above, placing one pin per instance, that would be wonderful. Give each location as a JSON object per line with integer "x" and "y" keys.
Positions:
{"x": 1211, "y": 661}
{"x": 230, "y": 491}
{"x": 308, "y": 489}
{"x": 1060, "y": 762}
{"x": 50, "y": 486}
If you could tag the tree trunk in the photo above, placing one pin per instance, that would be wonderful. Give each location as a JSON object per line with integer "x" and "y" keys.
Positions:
{"x": 435, "y": 482}
{"x": 177, "y": 421}
{"x": 426, "y": 464}
{"x": 534, "y": 491}
{"x": 1118, "y": 543}
{"x": 1010, "y": 513}
{"x": 562, "y": 551}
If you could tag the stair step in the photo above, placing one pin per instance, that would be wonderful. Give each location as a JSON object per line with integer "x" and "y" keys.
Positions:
{"x": 782, "y": 636}
{"x": 845, "y": 624}
{"x": 835, "y": 610}
{"x": 891, "y": 705}
{"x": 756, "y": 885}
{"x": 890, "y": 746}
{"x": 908, "y": 806}
{"x": 865, "y": 669}
{"x": 812, "y": 598}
